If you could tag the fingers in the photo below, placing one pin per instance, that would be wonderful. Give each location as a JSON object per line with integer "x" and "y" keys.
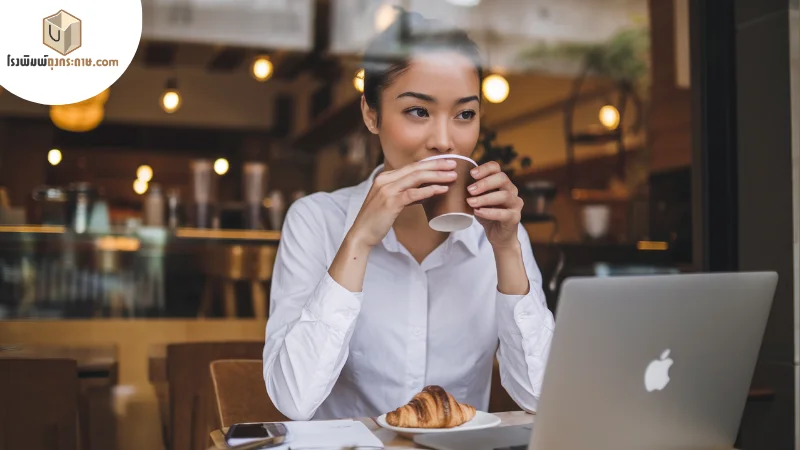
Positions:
{"x": 414, "y": 195}
{"x": 497, "y": 198}
{"x": 484, "y": 170}
{"x": 422, "y": 177}
{"x": 431, "y": 165}
{"x": 499, "y": 214}
{"x": 498, "y": 180}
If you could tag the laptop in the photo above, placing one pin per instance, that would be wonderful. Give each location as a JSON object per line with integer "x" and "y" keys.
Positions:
{"x": 642, "y": 362}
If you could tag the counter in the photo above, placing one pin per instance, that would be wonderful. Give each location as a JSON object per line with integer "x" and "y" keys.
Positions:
{"x": 52, "y": 272}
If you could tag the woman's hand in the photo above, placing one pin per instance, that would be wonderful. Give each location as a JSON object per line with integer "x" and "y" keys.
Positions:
{"x": 497, "y": 205}
{"x": 392, "y": 191}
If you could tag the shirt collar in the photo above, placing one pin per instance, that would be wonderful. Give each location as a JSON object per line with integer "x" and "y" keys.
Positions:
{"x": 470, "y": 237}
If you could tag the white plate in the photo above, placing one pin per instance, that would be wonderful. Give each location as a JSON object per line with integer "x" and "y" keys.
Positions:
{"x": 481, "y": 420}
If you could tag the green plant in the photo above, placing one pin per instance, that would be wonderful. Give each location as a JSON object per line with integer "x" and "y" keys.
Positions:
{"x": 625, "y": 56}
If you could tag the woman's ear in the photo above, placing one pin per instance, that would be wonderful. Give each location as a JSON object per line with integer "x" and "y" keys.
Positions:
{"x": 370, "y": 116}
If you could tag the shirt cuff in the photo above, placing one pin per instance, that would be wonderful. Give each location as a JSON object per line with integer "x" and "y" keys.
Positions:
{"x": 333, "y": 304}
{"x": 521, "y": 314}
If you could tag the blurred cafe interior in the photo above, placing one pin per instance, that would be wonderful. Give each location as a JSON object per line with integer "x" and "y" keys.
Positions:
{"x": 148, "y": 217}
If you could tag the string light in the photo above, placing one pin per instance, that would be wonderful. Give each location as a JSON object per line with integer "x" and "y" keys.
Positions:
{"x": 144, "y": 173}
{"x": 609, "y": 117}
{"x": 139, "y": 186}
{"x": 221, "y": 166}
{"x": 54, "y": 156}
{"x": 495, "y": 88}
{"x": 262, "y": 68}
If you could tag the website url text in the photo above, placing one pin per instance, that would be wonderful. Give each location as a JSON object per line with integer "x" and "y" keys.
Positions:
{"x": 46, "y": 61}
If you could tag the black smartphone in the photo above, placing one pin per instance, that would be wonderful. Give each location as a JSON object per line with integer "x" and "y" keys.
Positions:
{"x": 267, "y": 433}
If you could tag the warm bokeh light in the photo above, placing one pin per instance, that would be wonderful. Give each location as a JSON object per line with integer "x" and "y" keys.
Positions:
{"x": 54, "y": 156}
{"x": 358, "y": 81}
{"x": 221, "y": 166}
{"x": 171, "y": 101}
{"x": 140, "y": 187}
{"x": 82, "y": 116}
{"x": 609, "y": 117}
{"x": 144, "y": 173}
{"x": 495, "y": 88}
{"x": 384, "y": 16}
{"x": 262, "y": 68}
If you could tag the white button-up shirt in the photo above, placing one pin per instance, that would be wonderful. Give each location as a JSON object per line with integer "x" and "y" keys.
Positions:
{"x": 331, "y": 353}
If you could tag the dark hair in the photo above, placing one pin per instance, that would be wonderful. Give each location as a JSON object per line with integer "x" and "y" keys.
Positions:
{"x": 390, "y": 52}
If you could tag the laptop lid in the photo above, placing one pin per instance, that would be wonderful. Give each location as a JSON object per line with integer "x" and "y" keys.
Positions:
{"x": 660, "y": 361}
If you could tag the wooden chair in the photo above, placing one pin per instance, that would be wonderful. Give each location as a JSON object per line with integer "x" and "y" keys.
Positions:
{"x": 38, "y": 404}
{"x": 191, "y": 395}
{"x": 228, "y": 265}
{"x": 240, "y": 393}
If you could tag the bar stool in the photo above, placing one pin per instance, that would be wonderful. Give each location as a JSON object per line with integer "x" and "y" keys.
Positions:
{"x": 226, "y": 265}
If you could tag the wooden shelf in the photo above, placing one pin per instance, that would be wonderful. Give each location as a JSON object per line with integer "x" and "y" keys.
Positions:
{"x": 600, "y": 137}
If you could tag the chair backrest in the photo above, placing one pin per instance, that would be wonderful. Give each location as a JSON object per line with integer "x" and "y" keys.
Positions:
{"x": 241, "y": 394}
{"x": 38, "y": 403}
{"x": 191, "y": 395}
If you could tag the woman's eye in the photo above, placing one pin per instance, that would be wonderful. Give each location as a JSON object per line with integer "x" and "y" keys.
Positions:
{"x": 466, "y": 115}
{"x": 417, "y": 112}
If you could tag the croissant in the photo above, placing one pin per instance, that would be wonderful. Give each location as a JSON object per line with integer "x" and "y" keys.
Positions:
{"x": 432, "y": 408}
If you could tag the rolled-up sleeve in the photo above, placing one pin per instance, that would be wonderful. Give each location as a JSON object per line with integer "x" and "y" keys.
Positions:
{"x": 311, "y": 318}
{"x": 525, "y": 328}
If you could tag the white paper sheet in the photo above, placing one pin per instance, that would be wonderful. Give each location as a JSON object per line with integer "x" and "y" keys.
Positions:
{"x": 328, "y": 434}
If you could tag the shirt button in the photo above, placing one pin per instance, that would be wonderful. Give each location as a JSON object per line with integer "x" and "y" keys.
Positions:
{"x": 417, "y": 331}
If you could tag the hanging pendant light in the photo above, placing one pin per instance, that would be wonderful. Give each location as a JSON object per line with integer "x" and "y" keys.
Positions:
{"x": 171, "y": 98}
{"x": 82, "y": 116}
{"x": 262, "y": 68}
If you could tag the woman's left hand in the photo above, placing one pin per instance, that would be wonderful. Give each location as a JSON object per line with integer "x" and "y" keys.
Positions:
{"x": 497, "y": 205}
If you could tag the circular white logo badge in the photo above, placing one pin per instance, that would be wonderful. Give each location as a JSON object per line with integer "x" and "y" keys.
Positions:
{"x": 59, "y": 52}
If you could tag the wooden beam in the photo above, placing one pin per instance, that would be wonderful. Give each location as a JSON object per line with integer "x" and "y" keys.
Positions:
{"x": 556, "y": 107}
{"x": 160, "y": 54}
{"x": 302, "y": 62}
{"x": 227, "y": 59}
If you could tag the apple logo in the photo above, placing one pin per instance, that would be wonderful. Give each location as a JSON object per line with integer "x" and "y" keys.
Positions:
{"x": 656, "y": 377}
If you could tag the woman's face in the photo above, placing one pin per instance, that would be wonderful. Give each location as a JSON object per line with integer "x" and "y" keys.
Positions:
{"x": 431, "y": 108}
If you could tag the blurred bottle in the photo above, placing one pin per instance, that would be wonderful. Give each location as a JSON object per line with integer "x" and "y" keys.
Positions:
{"x": 174, "y": 205}
{"x": 203, "y": 181}
{"x": 255, "y": 181}
{"x": 154, "y": 207}
{"x": 277, "y": 208}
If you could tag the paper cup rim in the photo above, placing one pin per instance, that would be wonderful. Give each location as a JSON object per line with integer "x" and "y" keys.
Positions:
{"x": 461, "y": 214}
{"x": 451, "y": 156}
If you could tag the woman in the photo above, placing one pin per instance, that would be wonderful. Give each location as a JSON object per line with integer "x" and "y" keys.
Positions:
{"x": 369, "y": 304}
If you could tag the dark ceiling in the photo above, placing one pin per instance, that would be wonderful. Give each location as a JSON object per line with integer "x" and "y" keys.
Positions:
{"x": 288, "y": 65}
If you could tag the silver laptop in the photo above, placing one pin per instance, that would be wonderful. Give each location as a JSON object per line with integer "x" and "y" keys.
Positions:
{"x": 644, "y": 362}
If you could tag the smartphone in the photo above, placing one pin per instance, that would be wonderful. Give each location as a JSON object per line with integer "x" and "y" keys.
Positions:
{"x": 267, "y": 433}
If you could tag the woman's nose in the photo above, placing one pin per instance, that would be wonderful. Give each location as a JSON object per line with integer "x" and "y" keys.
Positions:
{"x": 440, "y": 139}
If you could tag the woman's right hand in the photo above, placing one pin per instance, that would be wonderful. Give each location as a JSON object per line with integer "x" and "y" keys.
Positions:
{"x": 394, "y": 190}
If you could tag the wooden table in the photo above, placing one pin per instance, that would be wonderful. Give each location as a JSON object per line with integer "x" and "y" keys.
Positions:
{"x": 392, "y": 440}
{"x": 97, "y": 376}
{"x": 90, "y": 359}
